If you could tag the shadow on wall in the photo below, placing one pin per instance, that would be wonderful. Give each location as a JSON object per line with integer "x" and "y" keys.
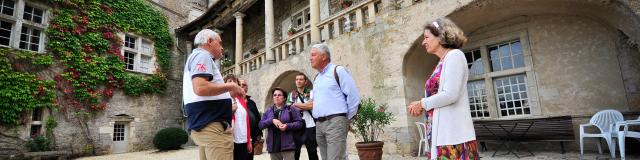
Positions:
{"x": 286, "y": 81}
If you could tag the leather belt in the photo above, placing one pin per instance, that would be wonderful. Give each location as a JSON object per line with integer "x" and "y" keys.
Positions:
{"x": 322, "y": 119}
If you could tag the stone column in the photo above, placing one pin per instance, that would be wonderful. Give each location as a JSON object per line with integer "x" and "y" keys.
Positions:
{"x": 269, "y": 30}
{"x": 239, "y": 17}
{"x": 315, "y": 20}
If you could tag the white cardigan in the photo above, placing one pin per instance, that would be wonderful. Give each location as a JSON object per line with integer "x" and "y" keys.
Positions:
{"x": 452, "y": 122}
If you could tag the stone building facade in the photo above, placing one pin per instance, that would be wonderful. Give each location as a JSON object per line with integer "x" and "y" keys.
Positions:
{"x": 528, "y": 59}
{"x": 129, "y": 123}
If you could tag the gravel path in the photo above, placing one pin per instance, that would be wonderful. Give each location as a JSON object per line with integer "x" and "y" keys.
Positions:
{"x": 191, "y": 153}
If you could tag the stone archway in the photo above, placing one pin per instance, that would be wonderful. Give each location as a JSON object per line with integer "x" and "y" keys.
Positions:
{"x": 286, "y": 81}
{"x": 417, "y": 65}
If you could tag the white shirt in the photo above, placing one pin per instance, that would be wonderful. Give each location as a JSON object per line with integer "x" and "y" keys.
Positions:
{"x": 200, "y": 63}
{"x": 308, "y": 119}
{"x": 240, "y": 124}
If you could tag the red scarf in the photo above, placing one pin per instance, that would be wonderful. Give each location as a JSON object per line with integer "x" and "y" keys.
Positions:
{"x": 233, "y": 118}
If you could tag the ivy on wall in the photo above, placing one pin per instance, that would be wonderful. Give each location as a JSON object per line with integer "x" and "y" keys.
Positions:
{"x": 82, "y": 39}
{"x": 20, "y": 90}
{"x": 83, "y": 35}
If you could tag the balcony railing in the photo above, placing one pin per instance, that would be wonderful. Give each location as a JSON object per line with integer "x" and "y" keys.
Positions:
{"x": 228, "y": 70}
{"x": 254, "y": 62}
{"x": 351, "y": 19}
{"x": 295, "y": 44}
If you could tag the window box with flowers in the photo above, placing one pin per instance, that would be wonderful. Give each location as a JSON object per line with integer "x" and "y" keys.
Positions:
{"x": 226, "y": 63}
{"x": 369, "y": 125}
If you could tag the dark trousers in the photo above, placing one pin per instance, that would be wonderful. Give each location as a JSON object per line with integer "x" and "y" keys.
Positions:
{"x": 240, "y": 152}
{"x": 310, "y": 143}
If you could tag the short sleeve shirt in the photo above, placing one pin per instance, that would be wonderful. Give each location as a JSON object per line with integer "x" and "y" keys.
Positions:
{"x": 202, "y": 110}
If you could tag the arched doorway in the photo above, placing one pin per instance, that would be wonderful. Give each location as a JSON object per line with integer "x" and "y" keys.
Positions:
{"x": 417, "y": 65}
{"x": 579, "y": 57}
{"x": 286, "y": 81}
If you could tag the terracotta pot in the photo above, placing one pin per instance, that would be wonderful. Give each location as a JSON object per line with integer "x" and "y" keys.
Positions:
{"x": 370, "y": 150}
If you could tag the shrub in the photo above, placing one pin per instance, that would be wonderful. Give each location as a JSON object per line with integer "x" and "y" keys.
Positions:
{"x": 38, "y": 143}
{"x": 371, "y": 119}
{"x": 170, "y": 138}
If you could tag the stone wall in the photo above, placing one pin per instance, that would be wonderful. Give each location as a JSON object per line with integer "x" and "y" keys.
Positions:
{"x": 148, "y": 113}
{"x": 577, "y": 59}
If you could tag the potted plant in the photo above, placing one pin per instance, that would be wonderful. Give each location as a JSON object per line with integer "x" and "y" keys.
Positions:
{"x": 253, "y": 51}
{"x": 346, "y": 3}
{"x": 368, "y": 126}
{"x": 226, "y": 62}
{"x": 291, "y": 30}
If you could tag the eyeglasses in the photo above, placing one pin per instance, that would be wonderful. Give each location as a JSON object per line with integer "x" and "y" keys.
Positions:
{"x": 276, "y": 95}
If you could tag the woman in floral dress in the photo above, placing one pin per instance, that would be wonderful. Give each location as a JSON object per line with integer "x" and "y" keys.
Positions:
{"x": 446, "y": 103}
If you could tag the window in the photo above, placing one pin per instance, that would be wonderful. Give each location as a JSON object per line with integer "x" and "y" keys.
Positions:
{"x": 30, "y": 39}
{"x": 138, "y": 54}
{"x": 5, "y": 33}
{"x": 7, "y": 7}
{"x": 301, "y": 19}
{"x": 130, "y": 42}
{"x": 474, "y": 62}
{"x": 36, "y": 122}
{"x": 118, "y": 132}
{"x": 500, "y": 89}
{"x": 129, "y": 59}
{"x": 512, "y": 95}
{"x": 506, "y": 56}
{"x": 23, "y": 31}
{"x": 33, "y": 14}
{"x": 478, "y": 99}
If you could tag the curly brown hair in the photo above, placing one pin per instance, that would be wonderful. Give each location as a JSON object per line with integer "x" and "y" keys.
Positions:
{"x": 450, "y": 35}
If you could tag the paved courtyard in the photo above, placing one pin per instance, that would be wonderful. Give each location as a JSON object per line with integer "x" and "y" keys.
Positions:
{"x": 191, "y": 153}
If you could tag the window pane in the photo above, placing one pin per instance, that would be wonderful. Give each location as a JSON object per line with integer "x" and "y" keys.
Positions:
{"x": 506, "y": 56}
{"x": 515, "y": 99}
{"x": 118, "y": 132}
{"x": 35, "y": 130}
{"x": 32, "y": 14}
{"x": 128, "y": 60}
{"x": 7, "y": 7}
{"x": 474, "y": 62}
{"x": 5, "y": 33}
{"x": 477, "y": 101}
{"x": 30, "y": 39}
{"x": 130, "y": 42}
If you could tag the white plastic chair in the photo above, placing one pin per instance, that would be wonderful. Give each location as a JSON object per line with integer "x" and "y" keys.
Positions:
{"x": 626, "y": 133}
{"x": 604, "y": 121}
{"x": 422, "y": 130}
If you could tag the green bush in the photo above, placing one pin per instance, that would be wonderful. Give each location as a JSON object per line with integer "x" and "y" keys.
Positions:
{"x": 38, "y": 143}
{"x": 170, "y": 138}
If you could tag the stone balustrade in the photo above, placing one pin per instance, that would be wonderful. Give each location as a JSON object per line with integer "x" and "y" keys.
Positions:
{"x": 294, "y": 44}
{"x": 351, "y": 19}
{"x": 254, "y": 62}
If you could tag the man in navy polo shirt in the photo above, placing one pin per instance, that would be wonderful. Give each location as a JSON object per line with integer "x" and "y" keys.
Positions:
{"x": 207, "y": 98}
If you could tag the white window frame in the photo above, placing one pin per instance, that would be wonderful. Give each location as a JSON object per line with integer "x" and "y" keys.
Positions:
{"x": 497, "y": 34}
{"x": 139, "y": 52}
{"x": 18, "y": 22}
{"x": 305, "y": 23}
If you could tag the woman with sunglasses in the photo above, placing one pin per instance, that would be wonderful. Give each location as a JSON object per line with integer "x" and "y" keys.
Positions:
{"x": 281, "y": 120}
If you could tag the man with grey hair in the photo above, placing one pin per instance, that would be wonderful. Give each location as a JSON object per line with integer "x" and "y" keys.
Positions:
{"x": 335, "y": 99}
{"x": 207, "y": 98}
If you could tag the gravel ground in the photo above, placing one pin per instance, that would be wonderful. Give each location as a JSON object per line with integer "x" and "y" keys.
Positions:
{"x": 191, "y": 153}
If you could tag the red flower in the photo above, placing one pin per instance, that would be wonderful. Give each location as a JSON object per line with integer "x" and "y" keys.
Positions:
{"x": 87, "y": 58}
{"x": 87, "y": 48}
{"x": 380, "y": 109}
{"x": 108, "y": 92}
{"x": 57, "y": 77}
